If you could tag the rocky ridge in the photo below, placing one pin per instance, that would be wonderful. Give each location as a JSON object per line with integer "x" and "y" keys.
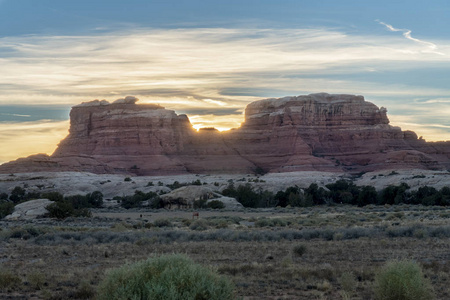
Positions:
{"x": 317, "y": 132}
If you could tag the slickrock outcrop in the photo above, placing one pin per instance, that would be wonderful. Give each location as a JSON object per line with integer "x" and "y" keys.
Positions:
{"x": 29, "y": 210}
{"x": 320, "y": 132}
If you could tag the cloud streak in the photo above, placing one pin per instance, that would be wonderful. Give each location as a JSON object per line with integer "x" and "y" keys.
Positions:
{"x": 431, "y": 47}
{"x": 212, "y": 73}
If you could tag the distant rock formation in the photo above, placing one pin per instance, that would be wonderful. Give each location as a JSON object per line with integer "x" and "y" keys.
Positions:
{"x": 320, "y": 132}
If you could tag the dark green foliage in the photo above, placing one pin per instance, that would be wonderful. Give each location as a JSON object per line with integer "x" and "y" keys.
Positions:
{"x": 139, "y": 197}
{"x": 64, "y": 209}
{"x": 17, "y": 194}
{"x": 394, "y": 194}
{"x": 367, "y": 195}
{"x": 299, "y": 250}
{"x": 343, "y": 191}
{"x": 171, "y": 277}
{"x": 95, "y": 199}
{"x": 3, "y": 196}
{"x": 6, "y": 208}
{"x": 216, "y": 204}
{"x": 60, "y": 210}
{"x": 175, "y": 185}
{"x": 318, "y": 195}
{"x": 53, "y": 196}
{"x": 201, "y": 203}
{"x": 246, "y": 195}
{"x": 196, "y": 182}
{"x": 77, "y": 201}
{"x": 156, "y": 203}
{"x": 91, "y": 200}
{"x": 259, "y": 171}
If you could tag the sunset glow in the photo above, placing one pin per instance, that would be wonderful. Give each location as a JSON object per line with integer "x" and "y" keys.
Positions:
{"x": 210, "y": 70}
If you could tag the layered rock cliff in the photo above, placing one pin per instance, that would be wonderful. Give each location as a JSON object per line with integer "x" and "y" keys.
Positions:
{"x": 315, "y": 132}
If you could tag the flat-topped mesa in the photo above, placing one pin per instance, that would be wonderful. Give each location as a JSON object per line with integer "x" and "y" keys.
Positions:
{"x": 321, "y": 109}
{"x": 124, "y": 128}
{"x": 319, "y": 132}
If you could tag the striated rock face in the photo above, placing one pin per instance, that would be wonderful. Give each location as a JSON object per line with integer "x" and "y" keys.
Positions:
{"x": 314, "y": 132}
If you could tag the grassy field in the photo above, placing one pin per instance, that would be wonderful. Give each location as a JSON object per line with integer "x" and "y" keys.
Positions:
{"x": 326, "y": 252}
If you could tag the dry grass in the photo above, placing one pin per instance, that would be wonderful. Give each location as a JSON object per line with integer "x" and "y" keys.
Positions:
{"x": 342, "y": 248}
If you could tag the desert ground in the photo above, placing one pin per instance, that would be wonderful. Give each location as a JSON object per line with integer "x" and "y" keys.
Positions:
{"x": 290, "y": 253}
{"x": 320, "y": 252}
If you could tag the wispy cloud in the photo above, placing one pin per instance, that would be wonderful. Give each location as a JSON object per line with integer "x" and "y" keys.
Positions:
{"x": 212, "y": 73}
{"x": 430, "y": 47}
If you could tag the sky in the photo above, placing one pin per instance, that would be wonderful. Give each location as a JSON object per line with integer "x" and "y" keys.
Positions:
{"x": 209, "y": 59}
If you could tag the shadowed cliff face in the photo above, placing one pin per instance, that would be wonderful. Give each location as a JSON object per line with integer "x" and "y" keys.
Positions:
{"x": 315, "y": 132}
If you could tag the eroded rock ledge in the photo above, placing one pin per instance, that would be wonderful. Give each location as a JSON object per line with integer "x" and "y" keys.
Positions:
{"x": 320, "y": 132}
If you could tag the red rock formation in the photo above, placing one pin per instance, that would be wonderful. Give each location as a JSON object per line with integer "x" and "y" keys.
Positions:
{"x": 313, "y": 132}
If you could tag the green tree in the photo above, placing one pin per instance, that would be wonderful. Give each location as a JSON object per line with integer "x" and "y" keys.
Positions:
{"x": 17, "y": 194}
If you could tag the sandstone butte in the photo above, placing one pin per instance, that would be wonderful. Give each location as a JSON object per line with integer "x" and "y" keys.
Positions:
{"x": 317, "y": 132}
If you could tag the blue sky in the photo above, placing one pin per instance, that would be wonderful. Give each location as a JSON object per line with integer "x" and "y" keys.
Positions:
{"x": 209, "y": 59}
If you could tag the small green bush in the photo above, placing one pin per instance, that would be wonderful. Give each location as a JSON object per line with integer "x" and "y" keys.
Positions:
{"x": 8, "y": 280}
{"x": 169, "y": 277}
{"x": 162, "y": 223}
{"x": 6, "y": 208}
{"x": 299, "y": 250}
{"x": 199, "y": 225}
{"x": 216, "y": 204}
{"x": 402, "y": 280}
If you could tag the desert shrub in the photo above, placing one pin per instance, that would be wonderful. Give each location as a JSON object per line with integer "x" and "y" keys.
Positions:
{"x": 216, "y": 204}
{"x": 137, "y": 199}
{"x": 201, "y": 203}
{"x": 402, "y": 280}
{"x": 244, "y": 194}
{"x": 196, "y": 182}
{"x": 299, "y": 250}
{"x": 36, "y": 280}
{"x": 199, "y": 225}
{"x": 162, "y": 223}
{"x": 95, "y": 199}
{"x": 8, "y": 280}
{"x": 127, "y": 179}
{"x": 170, "y": 277}
{"x": 53, "y": 196}
{"x": 156, "y": 203}
{"x": 17, "y": 194}
{"x": 347, "y": 281}
{"x": 6, "y": 208}
{"x": 84, "y": 291}
{"x": 3, "y": 196}
{"x": 25, "y": 232}
{"x": 65, "y": 209}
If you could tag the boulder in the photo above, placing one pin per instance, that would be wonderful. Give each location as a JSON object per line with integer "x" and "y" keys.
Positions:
{"x": 184, "y": 197}
{"x": 29, "y": 210}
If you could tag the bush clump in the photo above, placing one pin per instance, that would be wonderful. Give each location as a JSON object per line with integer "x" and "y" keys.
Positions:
{"x": 170, "y": 277}
{"x": 402, "y": 280}
{"x": 6, "y": 208}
